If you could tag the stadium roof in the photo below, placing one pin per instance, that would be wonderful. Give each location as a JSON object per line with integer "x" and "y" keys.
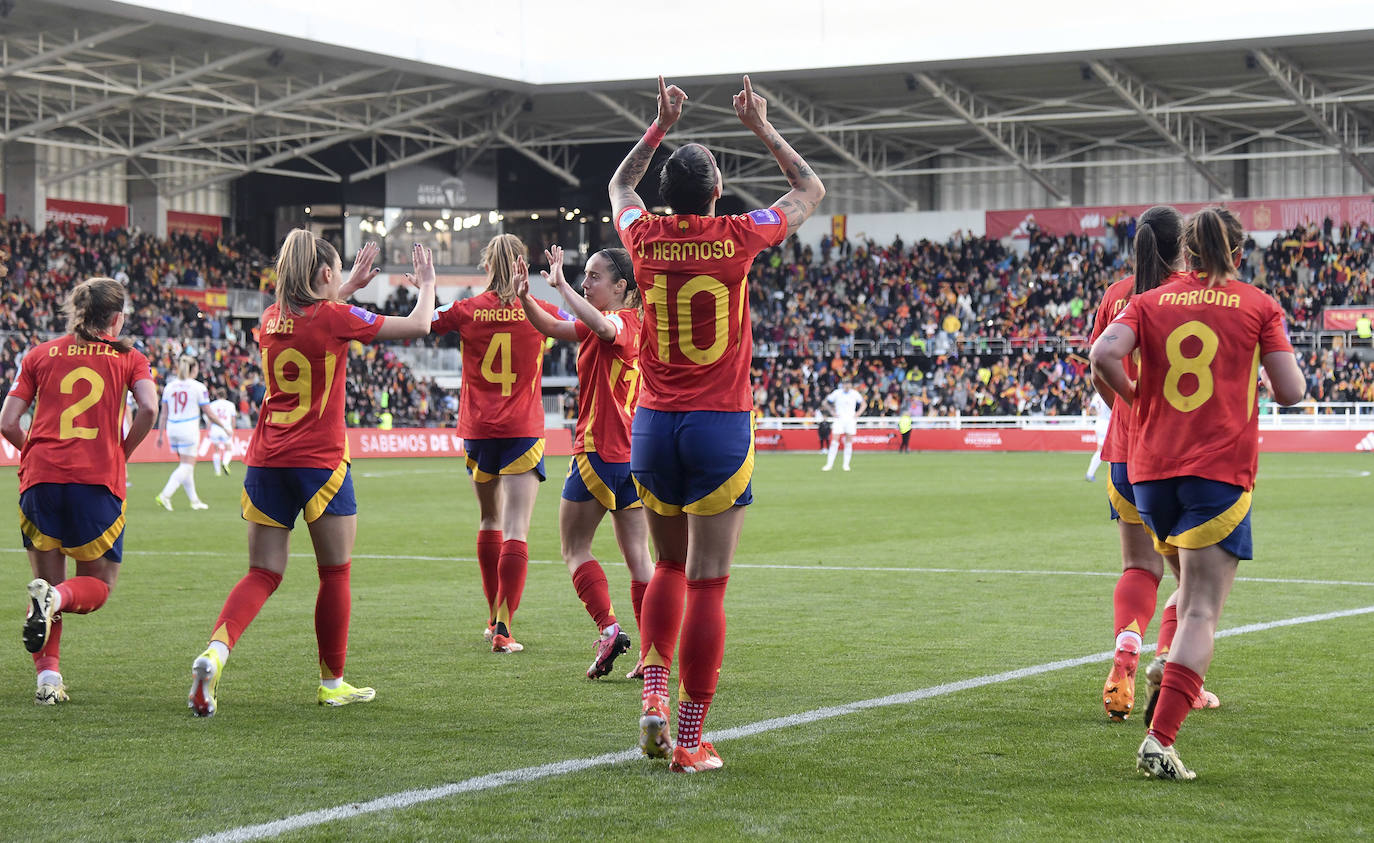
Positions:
{"x": 232, "y": 89}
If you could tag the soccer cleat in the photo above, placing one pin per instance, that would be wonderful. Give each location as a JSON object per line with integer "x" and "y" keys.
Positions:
{"x": 610, "y": 644}
{"x": 491, "y": 630}
{"x": 826, "y": 468}
{"x": 49, "y": 694}
{"x": 42, "y": 606}
{"x": 638, "y": 672}
{"x": 164, "y": 502}
{"x": 654, "y": 740}
{"x": 344, "y": 694}
{"x": 1154, "y": 677}
{"x": 703, "y": 759}
{"x": 505, "y": 644}
{"x": 199, "y": 505}
{"x": 846, "y": 468}
{"x": 1205, "y": 699}
{"x": 205, "y": 673}
{"x": 1161, "y": 762}
{"x": 1118, "y": 695}
{"x": 226, "y": 469}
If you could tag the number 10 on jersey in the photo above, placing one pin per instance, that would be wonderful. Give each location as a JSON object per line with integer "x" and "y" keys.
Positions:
{"x": 673, "y": 318}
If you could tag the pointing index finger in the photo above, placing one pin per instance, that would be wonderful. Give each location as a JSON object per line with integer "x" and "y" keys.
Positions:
{"x": 748, "y": 91}
{"x": 662, "y": 88}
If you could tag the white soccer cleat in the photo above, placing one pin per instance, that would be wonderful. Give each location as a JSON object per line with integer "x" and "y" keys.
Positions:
{"x": 1161, "y": 762}
{"x": 164, "y": 502}
{"x": 199, "y": 505}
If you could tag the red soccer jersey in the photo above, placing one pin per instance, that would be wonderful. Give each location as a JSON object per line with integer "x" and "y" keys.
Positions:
{"x": 503, "y": 363}
{"x": 1200, "y": 351}
{"x": 696, "y": 344}
{"x": 305, "y": 366}
{"x": 608, "y": 380}
{"x": 77, "y": 390}
{"x": 1117, "y": 445}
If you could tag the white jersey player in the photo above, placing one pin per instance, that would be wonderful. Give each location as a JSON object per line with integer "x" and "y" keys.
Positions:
{"x": 1103, "y": 421}
{"x": 847, "y": 405}
{"x": 184, "y": 401}
{"x": 221, "y": 440}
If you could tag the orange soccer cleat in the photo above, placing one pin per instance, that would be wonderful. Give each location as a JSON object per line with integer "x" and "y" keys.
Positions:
{"x": 700, "y": 760}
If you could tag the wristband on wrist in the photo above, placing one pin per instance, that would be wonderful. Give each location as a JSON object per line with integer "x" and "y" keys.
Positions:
{"x": 653, "y": 136}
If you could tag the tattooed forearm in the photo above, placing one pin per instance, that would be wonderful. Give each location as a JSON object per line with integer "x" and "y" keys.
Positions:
{"x": 633, "y": 168}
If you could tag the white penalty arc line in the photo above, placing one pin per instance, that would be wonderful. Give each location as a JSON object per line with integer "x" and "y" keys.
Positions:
{"x": 773, "y": 567}
{"x": 524, "y": 775}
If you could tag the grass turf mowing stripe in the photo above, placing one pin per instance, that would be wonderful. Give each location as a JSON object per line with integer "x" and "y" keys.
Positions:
{"x": 523, "y": 775}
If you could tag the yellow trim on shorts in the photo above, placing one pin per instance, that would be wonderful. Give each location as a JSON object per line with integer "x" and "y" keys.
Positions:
{"x": 654, "y": 504}
{"x": 526, "y": 461}
{"x": 725, "y": 496}
{"x": 1125, "y": 510}
{"x": 36, "y": 536}
{"x": 318, "y": 502}
{"x": 594, "y": 483}
{"x": 254, "y": 515}
{"x": 1215, "y": 530}
{"x": 478, "y": 475}
{"x": 99, "y": 546}
{"x": 1162, "y": 548}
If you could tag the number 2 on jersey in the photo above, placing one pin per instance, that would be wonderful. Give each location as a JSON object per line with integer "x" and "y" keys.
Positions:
{"x": 496, "y": 366}
{"x": 67, "y": 428}
{"x": 1199, "y": 366}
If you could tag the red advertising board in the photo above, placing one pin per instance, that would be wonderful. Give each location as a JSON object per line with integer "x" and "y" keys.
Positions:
{"x": 184, "y": 222}
{"x": 1255, "y": 215}
{"x": 90, "y": 214}
{"x": 1344, "y": 318}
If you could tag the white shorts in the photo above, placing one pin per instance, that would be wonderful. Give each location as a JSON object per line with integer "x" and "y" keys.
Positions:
{"x": 1100, "y": 426}
{"x": 184, "y": 438}
{"x": 846, "y": 427}
{"x": 219, "y": 437}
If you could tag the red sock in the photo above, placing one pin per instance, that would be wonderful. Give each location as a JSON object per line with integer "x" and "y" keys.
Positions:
{"x": 590, "y": 582}
{"x": 637, "y": 588}
{"x": 515, "y": 561}
{"x": 703, "y": 647}
{"x": 1133, "y": 601}
{"x": 662, "y": 614}
{"x": 46, "y": 658}
{"x": 488, "y": 558}
{"x": 332, "y": 607}
{"x": 243, "y": 604}
{"x": 83, "y": 595}
{"x": 1176, "y": 692}
{"x": 1167, "y": 627}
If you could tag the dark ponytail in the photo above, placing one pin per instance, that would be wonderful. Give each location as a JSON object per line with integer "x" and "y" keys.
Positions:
{"x": 91, "y": 307}
{"x": 1214, "y": 239}
{"x": 1158, "y": 241}
{"x": 624, "y": 271}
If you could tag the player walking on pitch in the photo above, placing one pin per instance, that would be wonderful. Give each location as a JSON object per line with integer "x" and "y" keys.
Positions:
{"x": 184, "y": 402}
{"x": 222, "y": 435}
{"x": 693, "y": 449}
{"x": 298, "y": 460}
{"x": 501, "y": 421}
{"x": 76, "y": 385}
{"x": 849, "y": 404}
{"x": 607, "y": 331}
{"x": 1202, "y": 339}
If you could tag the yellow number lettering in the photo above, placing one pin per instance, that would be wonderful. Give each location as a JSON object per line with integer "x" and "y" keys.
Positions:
{"x": 630, "y": 374}
{"x": 297, "y": 385}
{"x": 1199, "y": 366}
{"x": 331, "y": 360}
{"x": 657, "y": 298}
{"x": 496, "y": 366}
{"x": 67, "y": 428}
{"x": 720, "y": 328}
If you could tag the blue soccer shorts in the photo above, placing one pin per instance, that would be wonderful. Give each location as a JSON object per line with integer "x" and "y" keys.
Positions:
{"x": 83, "y": 521}
{"x": 1193, "y": 513}
{"x": 698, "y": 462}
{"x": 274, "y": 497}
{"x": 490, "y": 458}
{"x": 608, "y": 483}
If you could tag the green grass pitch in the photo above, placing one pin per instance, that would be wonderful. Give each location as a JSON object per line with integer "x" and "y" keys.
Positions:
{"x": 908, "y": 573}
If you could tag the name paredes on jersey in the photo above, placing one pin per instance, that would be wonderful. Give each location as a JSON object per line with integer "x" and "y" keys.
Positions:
{"x": 1204, "y": 296}
{"x": 688, "y": 251}
{"x": 499, "y": 314}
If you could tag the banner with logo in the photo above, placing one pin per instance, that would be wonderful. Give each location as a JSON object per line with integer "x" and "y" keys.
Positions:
{"x": 204, "y": 225}
{"x": 428, "y": 185}
{"x": 1345, "y": 318}
{"x": 89, "y": 214}
{"x": 1254, "y": 214}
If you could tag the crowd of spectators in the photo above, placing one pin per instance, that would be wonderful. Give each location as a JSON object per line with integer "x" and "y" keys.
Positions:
{"x": 968, "y": 326}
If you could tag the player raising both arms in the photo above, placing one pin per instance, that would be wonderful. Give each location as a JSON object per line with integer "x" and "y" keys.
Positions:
{"x": 1158, "y": 258}
{"x": 1202, "y": 338}
{"x": 222, "y": 434}
{"x": 501, "y": 421}
{"x": 72, "y": 464}
{"x": 185, "y": 401}
{"x": 692, "y": 452}
{"x": 298, "y": 460}
{"x": 607, "y": 330}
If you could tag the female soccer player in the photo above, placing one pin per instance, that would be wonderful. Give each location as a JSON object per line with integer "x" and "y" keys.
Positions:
{"x": 1202, "y": 338}
{"x": 607, "y": 330}
{"x": 501, "y": 421}
{"x": 72, "y": 464}
{"x": 222, "y": 434}
{"x": 298, "y": 460}
{"x": 692, "y": 453}
{"x": 184, "y": 401}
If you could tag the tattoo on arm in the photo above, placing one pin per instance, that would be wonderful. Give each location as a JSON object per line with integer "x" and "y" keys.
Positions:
{"x": 633, "y": 168}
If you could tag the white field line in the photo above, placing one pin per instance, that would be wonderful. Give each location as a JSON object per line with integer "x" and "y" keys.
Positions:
{"x": 768, "y": 567}
{"x": 491, "y": 781}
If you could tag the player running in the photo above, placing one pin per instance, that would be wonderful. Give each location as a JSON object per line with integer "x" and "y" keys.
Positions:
{"x": 298, "y": 460}
{"x": 692, "y": 452}
{"x": 607, "y": 331}
{"x": 1202, "y": 338}
{"x": 72, "y": 465}
{"x": 221, "y": 434}
{"x": 848, "y": 404}
{"x": 1102, "y": 420}
{"x": 1158, "y": 257}
{"x": 501, "y": 421}
{"x": 184, "y": 402}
